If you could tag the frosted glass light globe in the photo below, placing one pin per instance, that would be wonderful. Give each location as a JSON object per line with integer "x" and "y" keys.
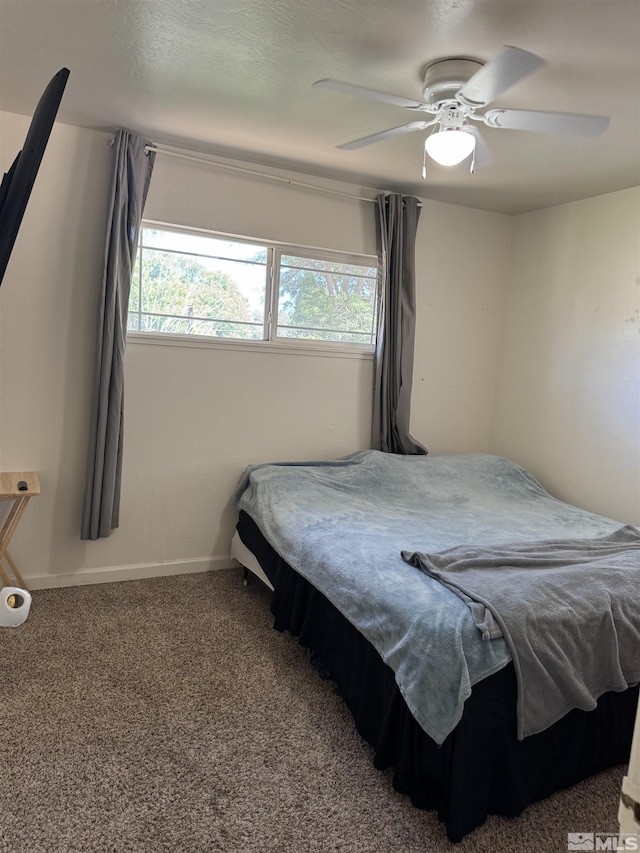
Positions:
{"x": 450, "y": 146}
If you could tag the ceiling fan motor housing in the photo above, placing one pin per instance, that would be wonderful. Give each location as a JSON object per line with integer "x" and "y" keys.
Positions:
{"x": 444, "y": 79}
{"x": 451, "y": 118}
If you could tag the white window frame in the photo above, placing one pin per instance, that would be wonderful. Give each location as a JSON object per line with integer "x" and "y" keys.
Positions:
{"x": 272, "y": 342}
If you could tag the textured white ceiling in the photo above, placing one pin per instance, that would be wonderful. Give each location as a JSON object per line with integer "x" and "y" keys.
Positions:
{"x": 234, "y": 77}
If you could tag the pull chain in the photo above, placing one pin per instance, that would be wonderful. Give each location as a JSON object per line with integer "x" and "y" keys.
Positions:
{"x": 424, "y": 165}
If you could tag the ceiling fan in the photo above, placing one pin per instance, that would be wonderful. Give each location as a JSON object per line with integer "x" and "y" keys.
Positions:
{"x": 454, "y": 90}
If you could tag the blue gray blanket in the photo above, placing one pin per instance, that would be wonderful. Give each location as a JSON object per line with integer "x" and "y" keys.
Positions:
{"x": 569, "y": 610}
{"x": 343, "y": 524}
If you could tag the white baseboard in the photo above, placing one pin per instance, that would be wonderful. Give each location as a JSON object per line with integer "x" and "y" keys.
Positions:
{"x": 137, "y": 571}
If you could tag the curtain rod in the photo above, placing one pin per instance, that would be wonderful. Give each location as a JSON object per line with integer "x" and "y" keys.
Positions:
{"x": 170, "y": 153}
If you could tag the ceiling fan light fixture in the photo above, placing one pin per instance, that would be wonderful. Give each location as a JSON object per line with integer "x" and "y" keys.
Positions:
{"x": 450, "y": 146}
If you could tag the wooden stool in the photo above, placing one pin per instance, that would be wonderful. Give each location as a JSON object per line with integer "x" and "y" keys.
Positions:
{"x": 9, "y": 491}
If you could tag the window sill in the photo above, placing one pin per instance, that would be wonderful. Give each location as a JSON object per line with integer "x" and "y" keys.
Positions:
{"x": 311, "y": 348}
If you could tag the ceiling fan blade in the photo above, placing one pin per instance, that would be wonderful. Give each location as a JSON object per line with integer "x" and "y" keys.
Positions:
{"x": 546, "y": 122}
{"x": 498, "y": 75}
{"x": 482, "y": 154}
{"x": 370, "y": 94}
{"x": 387, "y": 134}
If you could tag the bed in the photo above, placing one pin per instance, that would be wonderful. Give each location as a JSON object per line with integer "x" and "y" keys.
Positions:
{"x": 437, "y": 702}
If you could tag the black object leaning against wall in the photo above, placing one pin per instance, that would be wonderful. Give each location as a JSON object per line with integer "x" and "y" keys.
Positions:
{"x": 18, "y": 182}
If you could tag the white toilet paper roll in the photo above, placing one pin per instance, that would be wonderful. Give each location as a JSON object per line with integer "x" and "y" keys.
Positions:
{"x": 14, "y": 606}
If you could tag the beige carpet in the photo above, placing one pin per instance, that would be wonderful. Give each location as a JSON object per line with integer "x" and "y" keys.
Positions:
{"x": 167, "y": 715}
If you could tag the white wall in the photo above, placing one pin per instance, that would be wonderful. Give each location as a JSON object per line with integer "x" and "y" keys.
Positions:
{"x": 462, "y": 261}
{"x": 568, "y": 392}
{"x": 196, "y": 416}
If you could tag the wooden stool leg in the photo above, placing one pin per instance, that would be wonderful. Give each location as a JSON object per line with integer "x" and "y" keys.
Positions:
{"x": 15, "y": 571}
{"x": 8, "y": 529}
{"x": 20, "y": 487}
{"x": 10, "y": 524}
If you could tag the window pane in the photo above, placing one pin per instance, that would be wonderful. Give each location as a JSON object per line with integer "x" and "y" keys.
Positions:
{"x": 199, "y": 285}
{"x": 325, "y": 300}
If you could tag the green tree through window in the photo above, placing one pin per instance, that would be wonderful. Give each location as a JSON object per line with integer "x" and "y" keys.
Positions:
{"x": 181, "y": 296}
{"x": 325, "y": 300}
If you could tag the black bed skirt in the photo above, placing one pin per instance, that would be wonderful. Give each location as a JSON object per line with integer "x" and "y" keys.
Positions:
{"x": 481, "y": 768}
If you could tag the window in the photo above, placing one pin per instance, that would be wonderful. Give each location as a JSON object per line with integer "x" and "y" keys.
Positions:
{"x": 201, "y": 284}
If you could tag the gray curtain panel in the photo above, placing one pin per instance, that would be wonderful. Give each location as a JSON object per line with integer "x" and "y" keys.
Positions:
{"x": 131, "y": 177}
{"x": 396, "y": 225}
